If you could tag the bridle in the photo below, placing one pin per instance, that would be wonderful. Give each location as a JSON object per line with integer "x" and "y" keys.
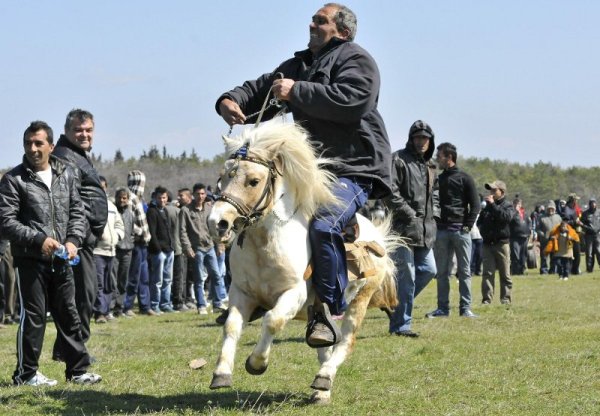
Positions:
{"x": 250, "y": 215}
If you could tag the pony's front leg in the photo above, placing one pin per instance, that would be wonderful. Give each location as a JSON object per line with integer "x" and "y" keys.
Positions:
{"x": 240, "y": 309}
{"x": 353, "y": 318}
{"x": 286, "y": 308}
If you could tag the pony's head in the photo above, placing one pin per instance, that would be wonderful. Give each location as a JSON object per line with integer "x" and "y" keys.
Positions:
{"x": 266, "y": 163}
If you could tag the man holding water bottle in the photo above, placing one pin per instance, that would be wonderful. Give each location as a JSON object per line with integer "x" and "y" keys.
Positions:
{"x": 41, "y": 213}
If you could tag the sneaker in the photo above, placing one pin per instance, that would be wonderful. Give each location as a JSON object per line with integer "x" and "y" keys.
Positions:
{"x": 39, "y": 380}
{"x": 505, "y": 302}
{"x": 86, "y": 378}
{"x": 565, "y": 278}
{"x": 486, "y": 302}
{"x": 149, "y": 312}
{"x": 191, "y": 305}
{"x": 129, "y": 314}
{"x": 100, "y": 319}
{"x": 110, "y": 317}
{"x": 438, "y": 313}
{"x": 157, "y": 311}
{"x": 168, "y": 309}
{"x": 468, "y": 314}
{"x": 181, "y": 308}
{"x": 118, "y": 314}
{"x": 202, "y": 310}
{"x": 407, "y": 333}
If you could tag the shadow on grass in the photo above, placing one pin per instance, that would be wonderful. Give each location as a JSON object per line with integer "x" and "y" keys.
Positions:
{"x": 98, "y": 402}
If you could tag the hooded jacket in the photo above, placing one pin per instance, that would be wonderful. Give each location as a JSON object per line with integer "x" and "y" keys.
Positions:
{"x": 30, "y": 212}
{"x": 114, "y": 231}
{"x": 91, "y": 191}
{"x": 335, "y": 98}
{"x": 412, "y": 201}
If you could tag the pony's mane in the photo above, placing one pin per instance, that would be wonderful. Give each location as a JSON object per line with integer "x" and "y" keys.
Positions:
{"x": 287, "y": 144}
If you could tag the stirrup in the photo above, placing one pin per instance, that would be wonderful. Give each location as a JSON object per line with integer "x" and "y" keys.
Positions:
{"x": 321, "y": 314}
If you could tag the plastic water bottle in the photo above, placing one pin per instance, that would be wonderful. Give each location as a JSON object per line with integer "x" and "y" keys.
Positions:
{"x": 64, "y": 254}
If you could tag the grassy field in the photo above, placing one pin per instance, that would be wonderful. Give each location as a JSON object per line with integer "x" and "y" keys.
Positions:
{"x": 541, "y": 356}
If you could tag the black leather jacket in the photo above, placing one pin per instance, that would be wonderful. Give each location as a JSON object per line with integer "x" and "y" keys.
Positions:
{"x": 91, "y": 192}
{"x": 412, "y": 200}
{"x": 30, "y": 212}
{"x": 494, "y": 222}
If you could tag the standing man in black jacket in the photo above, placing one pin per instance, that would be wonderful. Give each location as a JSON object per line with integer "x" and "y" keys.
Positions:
{"x": 332, "y": 89}
{"x": 74, "y": 148}
{"x": 494, "y": 225}
{"x": 459, "y": 207}
{"x": 590, "y": 219}
{"x": 41, "y": 211}
{"x": 412, "y": 205}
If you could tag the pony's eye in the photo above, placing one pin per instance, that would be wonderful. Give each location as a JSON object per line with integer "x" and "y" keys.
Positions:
{"x": 254, "y": 182}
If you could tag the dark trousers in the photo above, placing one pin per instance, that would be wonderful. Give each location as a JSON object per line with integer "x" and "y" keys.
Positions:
{"x": 564, "y": 266}
{"x": 189, "y": 267}
{"x": 106, "y": 285}
{"x": 138, "y": 282}
{"x": 86, "y": 287}
{"x": 330, "y": 274}
{"x": 576, "y": 258}
{"x": 121, "y": 265}
{"x": 518, "y": 255}
{"x": 476, "y": 256}
{"x": 592, "y": 251}
{"x": 44, "y": 286}
{"x": 177, "y": 288}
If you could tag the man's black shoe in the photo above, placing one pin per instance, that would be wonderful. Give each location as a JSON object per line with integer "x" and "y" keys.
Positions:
{"x": 408, "y": 333}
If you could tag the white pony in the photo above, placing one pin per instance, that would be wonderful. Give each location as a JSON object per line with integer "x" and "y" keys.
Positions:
{"x": 271, "y": 187}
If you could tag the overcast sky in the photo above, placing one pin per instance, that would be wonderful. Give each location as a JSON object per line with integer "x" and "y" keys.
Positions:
{"x": 510, "y": 80}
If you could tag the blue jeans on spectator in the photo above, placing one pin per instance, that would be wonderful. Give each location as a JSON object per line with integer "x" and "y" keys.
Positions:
{"x": 161, "y": 277}
{"x": 208, "y": 259}
{"x": 330, "y": 273}
{"x": 415, "y": 268}
{"x": 138, "y": 280}
{"x": 447, "y": 244}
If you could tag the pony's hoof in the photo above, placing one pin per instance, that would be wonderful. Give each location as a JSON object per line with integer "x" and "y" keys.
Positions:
{"x": 321, "y": 397}
{"x": 220, "y": 381}
{"x": 254, "y": 371}
{"x": 321, "y": 383}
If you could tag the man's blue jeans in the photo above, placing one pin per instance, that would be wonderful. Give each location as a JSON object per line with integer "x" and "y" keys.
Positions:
{"x": 415, "y": 267}
{"x": 447, "y": 244}
{"x": 138, "y": 280}
{"x": 208, "y": 259}
{"x": 161, "y": 277}
{"x": 330, "y": 275}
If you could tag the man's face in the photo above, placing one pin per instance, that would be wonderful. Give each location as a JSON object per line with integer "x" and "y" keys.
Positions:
{"x": 37, "y": 150}
{"x": 421, "y": 144}
{"x": 442, "y": 160}
{"x": 592, "y": 205}
{"x": 81, "y": 134}
{"x": 161, "y": 200}
{"x": 550, "y": 211}
{"x": 496, "y": 193}
{"x": 184, "y": 198}
{"x": 323, "y": 28}
{"x": 200, "y": 196}
{"x": 123, "y": 199}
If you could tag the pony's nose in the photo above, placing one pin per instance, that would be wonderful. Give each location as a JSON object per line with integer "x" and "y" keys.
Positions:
{"x": 223, "y": 228}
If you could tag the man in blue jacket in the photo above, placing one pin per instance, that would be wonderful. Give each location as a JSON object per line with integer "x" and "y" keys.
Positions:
{"x": 332, "y": 89}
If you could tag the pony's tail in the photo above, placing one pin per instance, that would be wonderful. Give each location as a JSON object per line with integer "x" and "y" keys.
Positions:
{"x": 387, "y": 298}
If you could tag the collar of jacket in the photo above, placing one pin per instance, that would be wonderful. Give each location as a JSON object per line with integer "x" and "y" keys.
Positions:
{"x": 307, "y": 56}
{"x": 63, "y": 141}
{"x": 55, "y": 164}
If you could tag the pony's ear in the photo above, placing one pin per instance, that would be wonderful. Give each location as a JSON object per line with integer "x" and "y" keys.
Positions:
{"x": 279, "y": 165}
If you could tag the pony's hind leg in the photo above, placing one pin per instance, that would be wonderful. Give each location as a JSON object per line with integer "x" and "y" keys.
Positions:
{"x": 286, "y": 308}
{"x": 240, "y": 309}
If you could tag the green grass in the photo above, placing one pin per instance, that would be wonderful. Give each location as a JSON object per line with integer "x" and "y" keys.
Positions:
{"x": 541, "y": 356}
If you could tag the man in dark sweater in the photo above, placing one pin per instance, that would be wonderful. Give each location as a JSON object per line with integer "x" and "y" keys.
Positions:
{"x": 494, "y": 225}
{"x": 459, "y": 206}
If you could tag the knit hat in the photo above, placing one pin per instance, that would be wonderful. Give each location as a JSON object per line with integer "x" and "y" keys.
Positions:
{"x": 551, "y": 204}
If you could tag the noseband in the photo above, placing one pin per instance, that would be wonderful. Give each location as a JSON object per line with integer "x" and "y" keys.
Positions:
{"x": 249, "y": 216}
